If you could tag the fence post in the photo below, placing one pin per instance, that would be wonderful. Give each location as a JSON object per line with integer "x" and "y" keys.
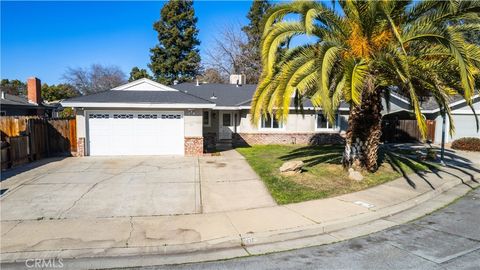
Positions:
{"x": 29, "y": 141}
{"x": 47, "y": 137}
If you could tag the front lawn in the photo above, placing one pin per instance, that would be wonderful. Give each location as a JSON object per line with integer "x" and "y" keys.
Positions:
{"x": 323, "y": 176}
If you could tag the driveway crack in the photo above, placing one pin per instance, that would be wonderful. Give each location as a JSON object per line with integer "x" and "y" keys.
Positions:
{"x": 131, "y": 231}
{"x": 86, "y": 192}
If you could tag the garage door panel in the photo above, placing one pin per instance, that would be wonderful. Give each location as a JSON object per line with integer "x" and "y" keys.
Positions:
{"x": 133, "y": 133}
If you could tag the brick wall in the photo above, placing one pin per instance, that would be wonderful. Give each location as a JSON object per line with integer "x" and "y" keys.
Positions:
{"x": 193, "y": 146}
{"x": 287, "y": 138}
{"x": 80, "y": 147}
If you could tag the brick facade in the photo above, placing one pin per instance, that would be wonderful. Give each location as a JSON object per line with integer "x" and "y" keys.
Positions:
{"x": 286, "y": 138}
{"x": 80, "y": 147}
{"x": 193, "y": 146}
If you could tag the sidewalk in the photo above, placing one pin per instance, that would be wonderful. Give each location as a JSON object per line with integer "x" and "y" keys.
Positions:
{"x": 201, "y": 237}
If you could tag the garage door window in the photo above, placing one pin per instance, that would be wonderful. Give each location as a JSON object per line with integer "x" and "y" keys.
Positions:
{"x": 171, "y": 116}
{"x": 147, "y": 116}
{"x": 123, "y": 116}
{"x": 99, "y": 115}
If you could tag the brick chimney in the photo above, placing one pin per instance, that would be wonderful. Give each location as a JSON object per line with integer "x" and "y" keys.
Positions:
{"x": 34, "y": 90}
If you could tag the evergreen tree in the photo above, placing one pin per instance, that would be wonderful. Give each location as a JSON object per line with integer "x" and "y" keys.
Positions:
{"x": 13, "y": 87}
{"x": 254, "y": 31}
{"x": 176, "y": 57}
{"x": 138, "y": 73}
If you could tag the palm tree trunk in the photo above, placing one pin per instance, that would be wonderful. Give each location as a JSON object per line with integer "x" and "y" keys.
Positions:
{"x": 374, "y": 130}
{"x": 363, "y": 133}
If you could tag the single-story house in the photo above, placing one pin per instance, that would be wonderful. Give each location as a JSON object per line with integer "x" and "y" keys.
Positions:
{"x": 144, "y": 117}
{"x": 31, "y": 105}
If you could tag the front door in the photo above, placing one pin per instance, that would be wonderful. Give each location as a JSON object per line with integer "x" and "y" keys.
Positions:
{"x": 225, "y": 126}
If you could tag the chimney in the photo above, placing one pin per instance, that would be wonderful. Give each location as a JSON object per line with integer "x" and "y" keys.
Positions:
{"x": 34, "y": 90}
{"x": 238, "y": 79}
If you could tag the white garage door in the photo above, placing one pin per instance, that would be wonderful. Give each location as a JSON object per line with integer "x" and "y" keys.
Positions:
{"x": 135, "y": 133}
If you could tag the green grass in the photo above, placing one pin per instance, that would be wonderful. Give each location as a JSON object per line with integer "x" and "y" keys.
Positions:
{"x": 323, "y": 174}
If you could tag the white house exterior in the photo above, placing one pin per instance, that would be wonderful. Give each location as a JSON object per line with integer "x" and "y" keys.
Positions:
{"x": 147, "y": 118}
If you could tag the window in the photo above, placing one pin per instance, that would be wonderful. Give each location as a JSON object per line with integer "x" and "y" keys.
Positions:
{"x": 270, "y": 122}
{"x": 323, "y": 124}
{"x": 170, "y": 116}
{"x": 206, "y": 118}
{"x": 147, "y": 116}
{"x": 99, "y": 115}
{"x": 123, "y": 116}
{"x": 226, "y": 119}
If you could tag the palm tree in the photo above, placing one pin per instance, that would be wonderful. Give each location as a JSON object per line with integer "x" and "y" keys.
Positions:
{"x": 363, "y": 50}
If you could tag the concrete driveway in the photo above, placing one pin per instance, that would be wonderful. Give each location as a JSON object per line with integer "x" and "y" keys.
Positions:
{"x": 99, "y": 187}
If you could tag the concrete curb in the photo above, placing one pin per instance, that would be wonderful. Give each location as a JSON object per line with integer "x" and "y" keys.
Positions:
{"x": 257, "y": 242}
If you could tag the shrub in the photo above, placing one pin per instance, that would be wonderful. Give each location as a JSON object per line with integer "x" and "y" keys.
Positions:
{"x": 467, "y": 143}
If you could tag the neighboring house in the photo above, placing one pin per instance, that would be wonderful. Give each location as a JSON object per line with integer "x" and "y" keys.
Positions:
{"x": 462, "y": 115}
{"x": 32, "y": 105}
{"x": 147, "y": 118}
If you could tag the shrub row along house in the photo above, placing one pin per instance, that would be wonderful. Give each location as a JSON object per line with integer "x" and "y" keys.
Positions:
{"x": 144, "y": 117}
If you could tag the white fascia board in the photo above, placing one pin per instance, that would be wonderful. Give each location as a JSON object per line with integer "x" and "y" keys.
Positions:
{"x": 227, "y": 108}
{"x": 400, "y": 98}
{"x": 463, "y": 112}
{"x": 136, "y": 105}
{"x": 293, "y": 108}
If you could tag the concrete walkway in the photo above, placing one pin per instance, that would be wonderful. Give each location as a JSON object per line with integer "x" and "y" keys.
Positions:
{"x": 117, "y": 242}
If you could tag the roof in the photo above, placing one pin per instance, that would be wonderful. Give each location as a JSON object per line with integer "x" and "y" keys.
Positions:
{"x": 12, "y": 100}
{"x": 147, "y": 93}
{"x": 430, "y": 104}
{"x": 230, "y": 94}
{"x": 226, "y": 94}
{"x": 113, "y": 98}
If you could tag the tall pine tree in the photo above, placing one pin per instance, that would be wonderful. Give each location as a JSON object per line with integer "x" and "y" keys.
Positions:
{"x": 138, "y": 73}
{"x": 254, "y": 31}
{"x": 176, "y": 57}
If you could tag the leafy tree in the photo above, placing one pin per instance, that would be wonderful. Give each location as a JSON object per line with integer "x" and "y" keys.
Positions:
{"x": 13, "y": 87}
{"x": 94, "y": 79}
{"x": 67, "y": 112}
{"x": 176, "y": 57}
{"x": 58, "y": 92}
{"x": 137, "y": 73}
{"x": 254, "y": 32}
{"x": 367, "y": 50}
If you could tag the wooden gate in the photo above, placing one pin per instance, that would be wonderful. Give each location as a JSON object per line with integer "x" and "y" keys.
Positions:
{"x": 398, "y": 131}
{"x": 31, "y": 138}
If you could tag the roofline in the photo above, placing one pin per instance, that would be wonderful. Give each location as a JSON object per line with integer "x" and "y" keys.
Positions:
{"x": 136, "y": 105}
{"x": 142, "y": 80}
{"x": 32, "y": 105}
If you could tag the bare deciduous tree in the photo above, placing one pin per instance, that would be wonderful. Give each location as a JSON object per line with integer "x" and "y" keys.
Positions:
{"x": 94, "y": 79}
{"x": 230, "y": 56}
{"x": 211, "y": 75}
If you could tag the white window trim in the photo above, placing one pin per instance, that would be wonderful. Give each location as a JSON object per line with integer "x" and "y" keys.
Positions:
{"x": 270, "y": 128}
{"x": 209, "y": 119}
{"x": 329, "y": 129}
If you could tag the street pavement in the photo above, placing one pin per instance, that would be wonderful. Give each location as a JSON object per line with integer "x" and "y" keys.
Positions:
{"x": 446, "y": 239}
